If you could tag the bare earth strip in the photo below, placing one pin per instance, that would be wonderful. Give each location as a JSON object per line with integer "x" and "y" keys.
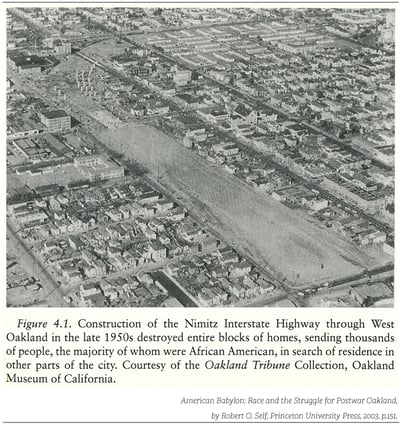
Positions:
{"x": 285, "y": 239}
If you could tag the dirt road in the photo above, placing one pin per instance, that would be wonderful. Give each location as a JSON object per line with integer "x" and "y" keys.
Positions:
{"x": 291, "y": 244}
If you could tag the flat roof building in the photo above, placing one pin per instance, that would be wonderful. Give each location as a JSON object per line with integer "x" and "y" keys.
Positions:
{"x": 56, "y": 121}
{"x": 98, "y": 167}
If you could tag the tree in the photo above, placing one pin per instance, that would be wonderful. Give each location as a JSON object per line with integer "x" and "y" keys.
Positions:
{"x": 390, "y": 208}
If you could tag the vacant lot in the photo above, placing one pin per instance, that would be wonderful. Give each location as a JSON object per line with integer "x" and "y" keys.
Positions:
{"x": 106, "y": 48}
{"x": 290, "y": 243}
{"x": 61, "y": 176}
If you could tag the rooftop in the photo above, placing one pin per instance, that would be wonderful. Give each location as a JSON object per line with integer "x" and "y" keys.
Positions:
{"x": 59, "y": 113}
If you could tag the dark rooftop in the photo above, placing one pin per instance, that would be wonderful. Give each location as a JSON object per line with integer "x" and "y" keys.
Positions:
{"x": 55, "y": 114}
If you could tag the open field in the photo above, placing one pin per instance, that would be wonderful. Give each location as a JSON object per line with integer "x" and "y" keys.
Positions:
{"x": 292, "y": 245}
{"x": 106, "y": 48}
{"x": 60, "y": 176}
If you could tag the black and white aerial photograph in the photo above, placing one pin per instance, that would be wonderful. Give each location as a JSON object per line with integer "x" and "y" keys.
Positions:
{"x": 200, "y": 157}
